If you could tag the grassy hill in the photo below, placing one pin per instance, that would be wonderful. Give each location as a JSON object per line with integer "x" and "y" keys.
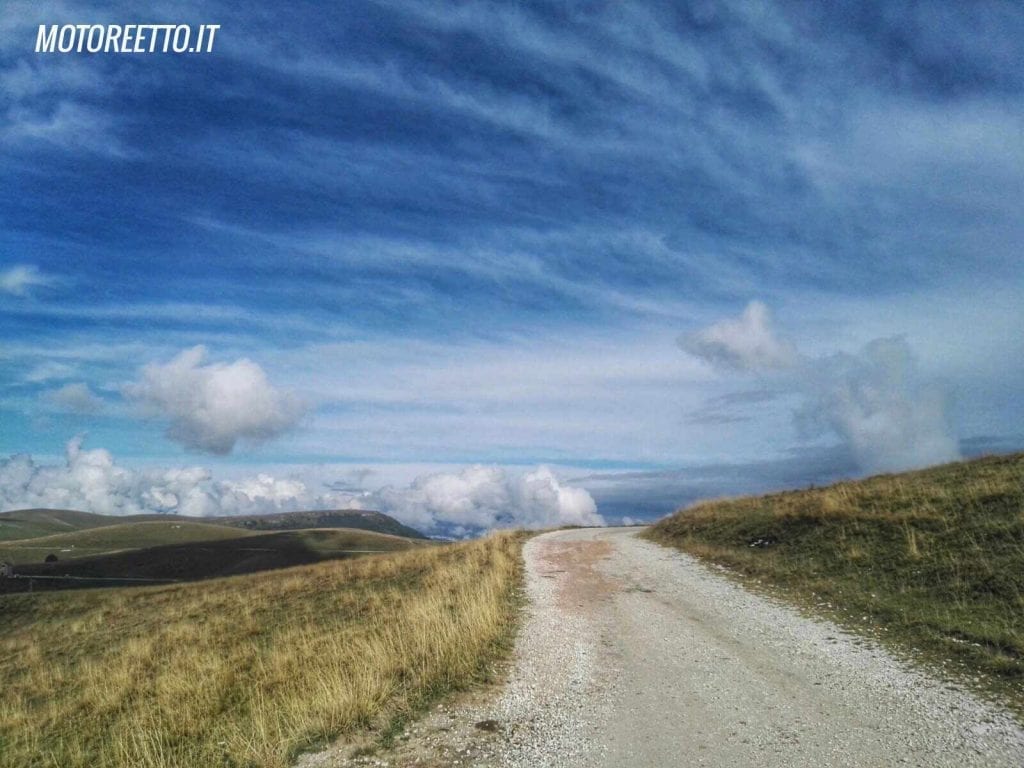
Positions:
{"x": 332, "y": 518}
{"x": 197, "y": 559}
{"x": 34, "y": 523}
{"x": 931, "y": 560}
{"x": 248, "y": 670}
{"x": 105, "y": 539}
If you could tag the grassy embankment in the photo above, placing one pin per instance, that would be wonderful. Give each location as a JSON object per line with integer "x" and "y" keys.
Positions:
{"x": 249, "y": 670}
{"x": 931, "y": 561}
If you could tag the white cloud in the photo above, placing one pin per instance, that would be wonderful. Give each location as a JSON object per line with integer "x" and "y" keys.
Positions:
{"x": 455, "y": 503}
{"x": 49, "y": 371}
{"x": 265, "y": 493}
{"x": 744, "y": 343}
{"x": 213, "y": 406}
{"x": 92, "y": 481}
{"x": 75, "y": 397}
{"x": 21, "y": 278}
{"x": 485, "y": 497}
{"x": 876, "y": 402}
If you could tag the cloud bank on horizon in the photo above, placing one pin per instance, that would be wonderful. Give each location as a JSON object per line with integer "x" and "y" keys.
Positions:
{"x": 469, "y": 501}
{"x": 398, "y": 233}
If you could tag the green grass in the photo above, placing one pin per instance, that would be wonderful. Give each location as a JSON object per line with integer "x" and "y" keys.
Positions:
{"x": 248, "y": 671}
{"x": 32, "y": 523}
{"x": 114, "y": 538}
{"x": 324, "y": 518}
{"x": 203, "y": 552}
{"x": 930, "y": 561}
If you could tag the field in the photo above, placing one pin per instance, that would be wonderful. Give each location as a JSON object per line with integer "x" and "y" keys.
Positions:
{"x": 106, "y": 539}
{"x": 204, "y": 558}
{"x": 97, "y": 550}
{"x": 931, "y": 561}
{"x": 32, "y": 523}
{"x": 35, "y": 523}
{"x": 248, "y": 671}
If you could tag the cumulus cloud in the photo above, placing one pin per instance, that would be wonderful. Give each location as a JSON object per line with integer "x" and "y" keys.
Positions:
{"x": 471, "y": 500}
{"x": 744, "y": 343}
{"x": 90, "y": 480}
{"x": 886, "y": 414}
{"x": 481, "y": 498}
{"x": 21, "y": 278}
{"x": 889, "y": 416}
{"x": 213, "y": 406}
{"x": 75, "y": 397}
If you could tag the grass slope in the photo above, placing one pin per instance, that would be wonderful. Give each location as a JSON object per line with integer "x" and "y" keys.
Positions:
{"x": 33, "y": 523}
{"x": 329, "y": 518}
{"x": 112, "y": 538}
{"x": 250, "y": 670}
{"x": 209, "y": 558}
{"x": 930, "y": 560}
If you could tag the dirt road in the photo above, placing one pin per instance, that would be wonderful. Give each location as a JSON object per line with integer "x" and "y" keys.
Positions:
{"x": 635, "y": 655}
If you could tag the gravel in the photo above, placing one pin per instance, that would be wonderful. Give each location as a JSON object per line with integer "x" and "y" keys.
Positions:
{"x": 634, "y": 654}
{"x": 553, "y": 700}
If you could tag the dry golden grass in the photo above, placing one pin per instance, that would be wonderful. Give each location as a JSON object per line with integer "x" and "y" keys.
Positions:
{"x": 251, "y": 670}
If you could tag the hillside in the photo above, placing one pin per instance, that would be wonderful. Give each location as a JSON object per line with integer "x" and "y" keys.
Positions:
{"x": 931, "y": 560}
{"x": 248, "y": 670}
{"x": 105, "y": 539}
{"x": 224, "y": 553}
{"x": 34, "y": 523}
{"x": 334, "y": 518}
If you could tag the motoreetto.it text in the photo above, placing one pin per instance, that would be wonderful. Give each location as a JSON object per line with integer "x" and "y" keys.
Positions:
{"x": 126, "y": 38}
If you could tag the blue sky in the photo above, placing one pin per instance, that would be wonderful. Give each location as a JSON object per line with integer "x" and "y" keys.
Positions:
{"x": 493, "y": 233}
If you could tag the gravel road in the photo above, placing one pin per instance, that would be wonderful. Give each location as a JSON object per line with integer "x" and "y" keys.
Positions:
{"x": 637, "y": 655}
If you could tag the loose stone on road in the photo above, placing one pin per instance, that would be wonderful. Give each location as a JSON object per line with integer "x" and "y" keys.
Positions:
{"x": 636, "y": 655}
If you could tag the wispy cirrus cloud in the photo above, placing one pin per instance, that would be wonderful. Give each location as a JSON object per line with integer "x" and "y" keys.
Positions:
{"x": 472, "y": 233}
{"x": 76, "y": 397}
{"x": 20, "y": 279}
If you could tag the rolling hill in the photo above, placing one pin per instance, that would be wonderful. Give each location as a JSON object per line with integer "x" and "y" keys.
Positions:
{"x": 106, "y": 539}
{"x": 228, "y": 552}
{"x": 78, "y": 549}
{"x": 332, "y": 518}
{"x": 33, "y": 523}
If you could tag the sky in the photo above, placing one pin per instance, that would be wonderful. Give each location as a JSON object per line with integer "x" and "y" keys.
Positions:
{"x": 485, "y": 263}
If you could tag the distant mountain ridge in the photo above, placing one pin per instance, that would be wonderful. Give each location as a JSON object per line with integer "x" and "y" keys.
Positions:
{"x": 33, "y": 523}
